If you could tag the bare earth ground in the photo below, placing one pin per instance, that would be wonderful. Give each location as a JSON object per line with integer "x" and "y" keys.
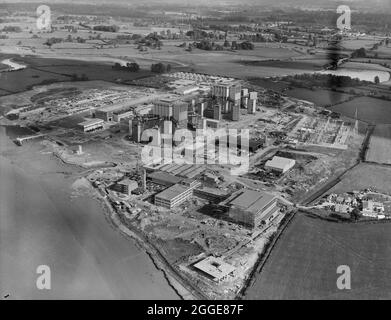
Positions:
{"x": 304, "y": 262}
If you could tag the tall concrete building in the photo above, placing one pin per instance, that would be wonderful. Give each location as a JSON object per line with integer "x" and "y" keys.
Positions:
{"x": 252, "y": 102}
{"x": 244, "y": 99}
{"x": 235, "y": 94}
{"x": 171, "y": 108}
{"x": 235, "y": 112}
{"x": 217, "y": 112}
{"x": 227, "y": 94}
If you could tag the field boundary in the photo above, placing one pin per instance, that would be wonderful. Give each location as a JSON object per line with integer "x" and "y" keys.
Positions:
{"x": 264, "y": 257}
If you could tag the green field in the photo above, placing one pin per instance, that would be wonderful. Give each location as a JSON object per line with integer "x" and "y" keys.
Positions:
{"x": 372, "y": 110}
{"x": 304, "y": 262}
{"x": 45, "y": 71}
{"x": 363, "y": 176}
{"x": 320, "y": 97}
{"x": 380, "y": 145}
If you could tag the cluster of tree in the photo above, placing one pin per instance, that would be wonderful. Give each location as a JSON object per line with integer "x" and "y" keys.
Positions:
{"x": 76, "y": 77}
{"x": 130, "y": 66}
{"x": 12, "y": 29}
{"x": 78, "y": 39}
{"x": 152, "y": 40}
{"x": 202, "y": 34}
{"x": 211, "y": 46}
{"x": 323, "y": 80}
{"x": 49, "y": 42}
{"x": 112, "y": 28}
{"x": 160, "y": 68}
{"x": 245, "y": 45}
{"x": 257, "y": 37}
{"x": 359, "y": 53}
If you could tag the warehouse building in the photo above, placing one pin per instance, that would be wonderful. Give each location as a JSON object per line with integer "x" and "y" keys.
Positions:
{"x": 280, "y": 164}
{"x": 250, "y": 208}
{"x": 210, "y": 194}
{"x": 91, "y": 125}
{"x": 163, "y": 178}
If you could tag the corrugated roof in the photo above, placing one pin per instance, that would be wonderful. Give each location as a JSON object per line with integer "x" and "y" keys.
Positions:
{"x": 172, "y": 192}
{"x": 164, "y": 176}
{"x": 251, "y": 200}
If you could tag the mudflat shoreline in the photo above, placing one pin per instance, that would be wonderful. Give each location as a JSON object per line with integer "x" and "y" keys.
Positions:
{"x": 45, "y": 222}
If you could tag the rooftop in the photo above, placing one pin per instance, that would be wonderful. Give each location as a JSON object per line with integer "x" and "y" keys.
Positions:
{"x": 279, "y": 162}
{"x": 127, "y": 181}
{"x": 161, "y": 175}
{"x": 215, "y": 267}
{"x": 90, "y": 122}
{"x": 172, "y": 192}
{"x": 253, "y": 201}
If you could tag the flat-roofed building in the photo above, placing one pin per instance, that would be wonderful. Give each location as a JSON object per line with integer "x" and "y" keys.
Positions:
{"x": 106, "y": 115}
{"x": 91, "y": 125}
{"x": 280, "y": 164}
{"x": 123, "y": 114}
{"x": 210, "y": 194}
{"x": 186, "y": 90}
{"x": 215, "y": 268}
{"x": 250, "y": 208}
{"x": 176, "y": 194}
{"x": 125, "y": 186}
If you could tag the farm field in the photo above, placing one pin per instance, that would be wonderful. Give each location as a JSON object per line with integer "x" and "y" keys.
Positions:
{"x": 363, "y": 176}
{"x": 380, "y": 145}
{"x": 354, "y": 44}
{"x": 320, "y": 97}
{"x": 371, "y": 110}
{"x": 304, "y": 262}
{"x": 45, "y": 71}
{"x": 212, "y": 62}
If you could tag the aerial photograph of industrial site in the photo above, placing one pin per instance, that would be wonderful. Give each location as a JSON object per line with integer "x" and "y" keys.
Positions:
{"x": 209, "y": 150}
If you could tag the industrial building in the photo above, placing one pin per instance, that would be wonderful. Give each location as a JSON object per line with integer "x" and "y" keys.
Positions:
{"x": 280, "y": 164}
{"x": 252, "y": 102}
{"x": 91, "y": 125}
{"x": 176, "y": 194}
{"x": 210, "y": 194}
{"x": 235, "y": 112}
{"x": 137, "y": 126}
{"x": 125, "y": 186}
{"x": 215, "y": 268}
{"x": 171, "y": 108}
{"x": 250, "y": 208}
{"x": 122, "y": 114}
{"x": 244, "y": 99}
{"x": 186, "y": 90}
{"x": 163, "y": 178}
{"x": 105, "y": 114}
